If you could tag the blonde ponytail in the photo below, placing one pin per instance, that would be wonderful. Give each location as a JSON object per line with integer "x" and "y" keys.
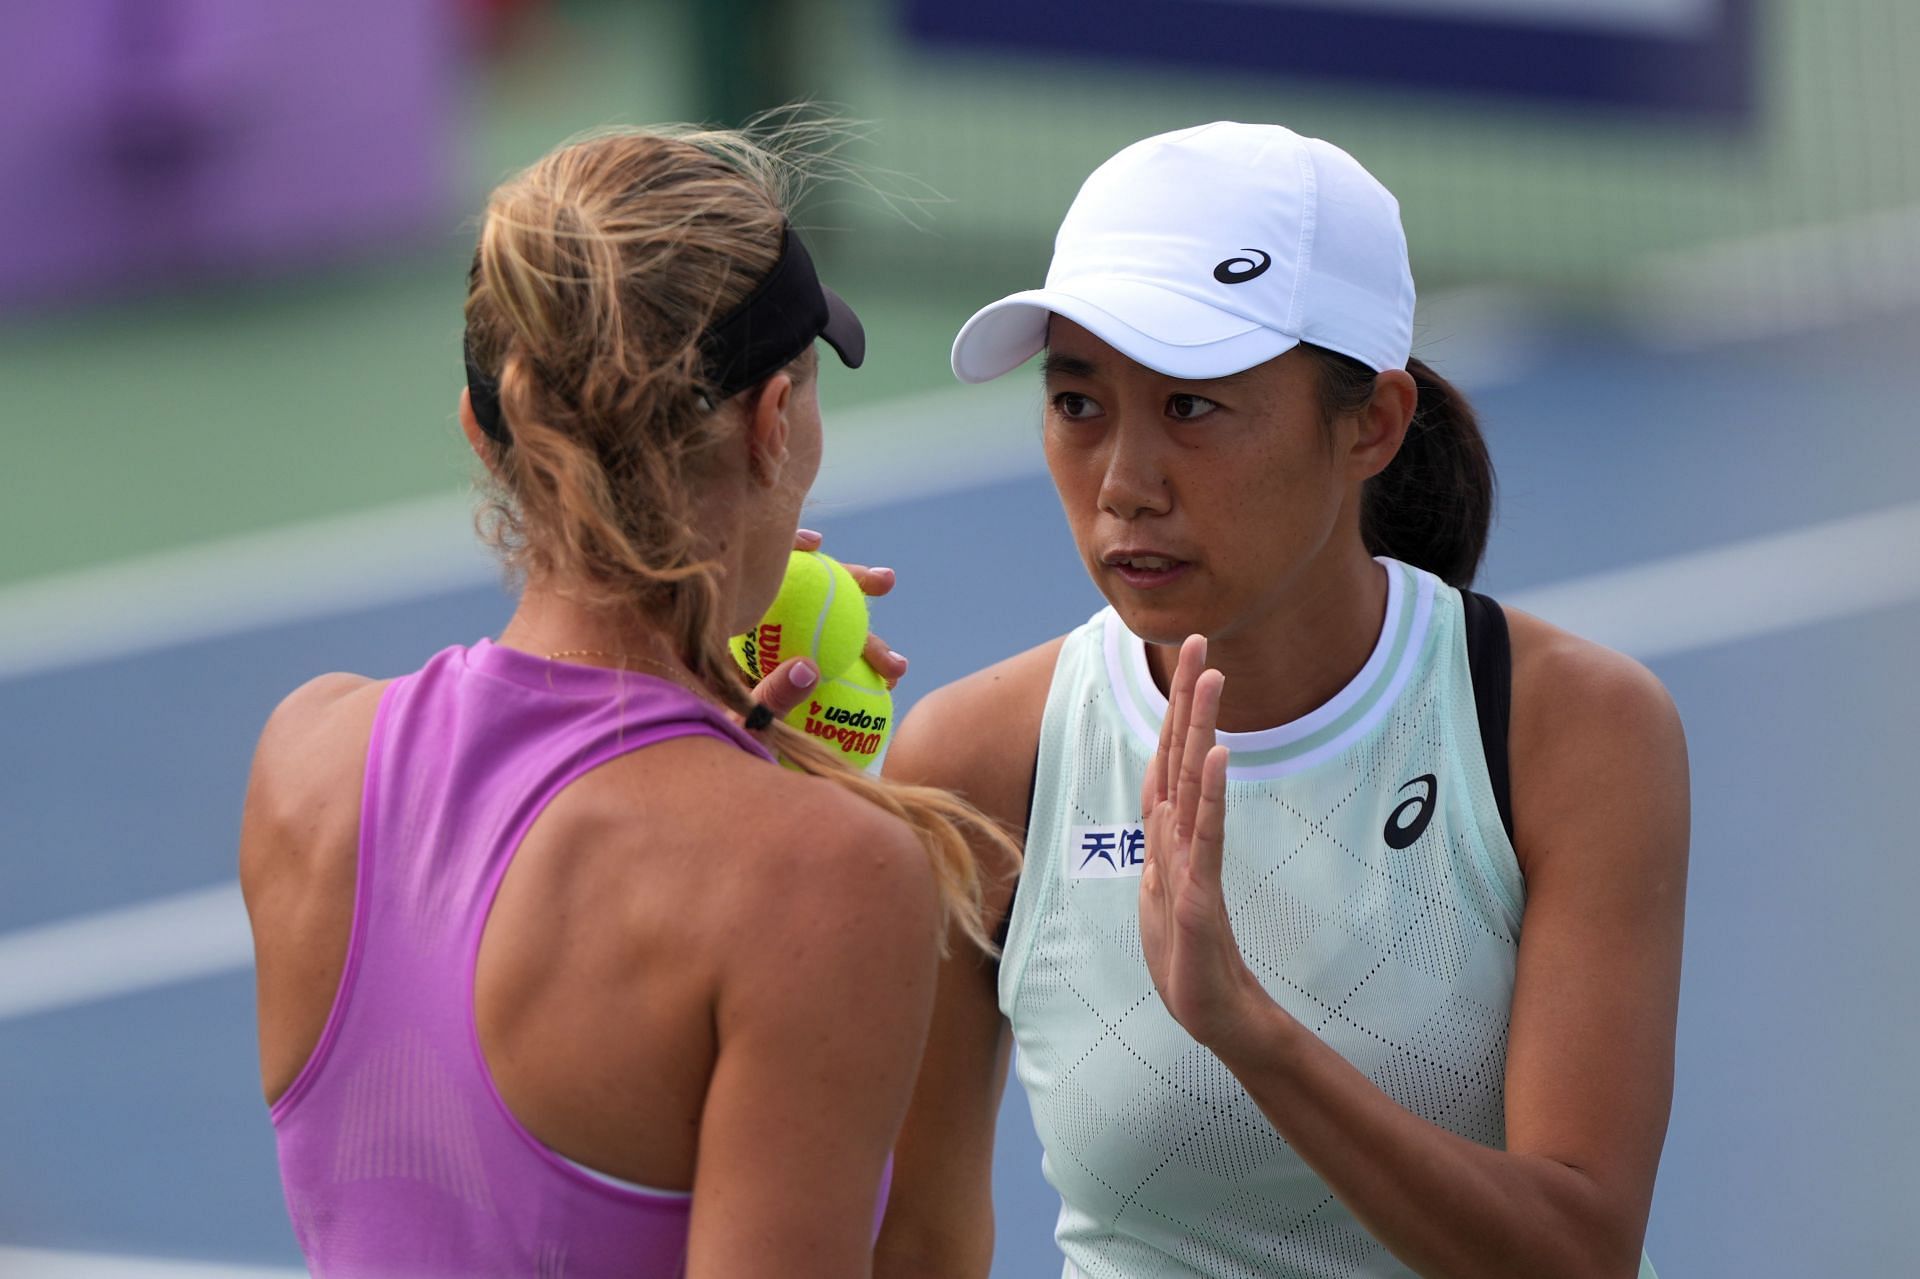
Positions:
{"x": 597, "y": 272}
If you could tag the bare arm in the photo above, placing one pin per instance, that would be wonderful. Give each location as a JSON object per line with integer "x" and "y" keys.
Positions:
{"x": 299, "y": 851}
{"x": 940, "y": 1220}
{"x": 821, "y": 1013}
{"x": 1601, "y": 809}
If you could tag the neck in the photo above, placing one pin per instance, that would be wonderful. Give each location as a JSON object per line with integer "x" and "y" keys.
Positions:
{"x": 1299, "y": 652}
{"x": 546, "y": 623}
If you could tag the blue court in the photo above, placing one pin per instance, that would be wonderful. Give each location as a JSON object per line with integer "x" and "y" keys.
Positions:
{"x": 133, "y": 1124}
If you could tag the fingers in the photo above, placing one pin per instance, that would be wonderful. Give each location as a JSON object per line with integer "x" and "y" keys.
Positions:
{"x": 1153, "y": 785}
{"x": 1204, "y": 713}
{"x": 787, "y": 686}
{"x": 1193, "y": 658}
{"x": 1210, "y": 822}
{"x": 1153, "y": 788}
{"x": 873, "y": 581}
{"x": 886, "y": 663}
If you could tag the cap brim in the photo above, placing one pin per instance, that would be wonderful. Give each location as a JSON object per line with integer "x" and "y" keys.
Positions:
{"x": 844, "y": 332}
{"x": 1166, "y": 331}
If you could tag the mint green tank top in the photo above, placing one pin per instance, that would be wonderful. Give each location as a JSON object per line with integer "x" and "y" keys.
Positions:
{"x": 1373, "y": 890}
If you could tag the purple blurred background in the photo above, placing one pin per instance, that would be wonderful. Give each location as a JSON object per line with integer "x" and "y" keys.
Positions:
{"x": 158, "y": 140}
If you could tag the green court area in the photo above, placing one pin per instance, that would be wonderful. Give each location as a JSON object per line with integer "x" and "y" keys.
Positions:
{"x": 156, "y": 424}
{"x": 205, "y": 411}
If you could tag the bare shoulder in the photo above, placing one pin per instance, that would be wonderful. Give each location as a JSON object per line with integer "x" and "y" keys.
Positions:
{"x": 978, "y": 736}
{"x": 1595, "y": 739}
{"x": 1562, "y": 682}
{"x": 317, "y": 712}
{"x": 754, "y": 849}
{"x": 822, "y": 866}
{"x": 304, "y": 792}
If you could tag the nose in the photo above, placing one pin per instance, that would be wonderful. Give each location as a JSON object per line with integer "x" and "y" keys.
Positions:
{"x": 1135, "y": 480}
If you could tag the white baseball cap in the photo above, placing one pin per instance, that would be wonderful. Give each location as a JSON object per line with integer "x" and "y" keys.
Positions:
{"x": 1209, "y": 250}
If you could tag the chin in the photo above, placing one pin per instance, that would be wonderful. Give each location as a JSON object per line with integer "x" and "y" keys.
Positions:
{"x": 1163, "y": 624}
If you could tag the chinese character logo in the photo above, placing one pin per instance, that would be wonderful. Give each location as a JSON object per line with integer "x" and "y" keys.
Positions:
{"x": 1107, "y": 852}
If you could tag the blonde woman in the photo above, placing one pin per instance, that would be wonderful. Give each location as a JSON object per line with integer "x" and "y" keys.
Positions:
{"x": 560, "y": 974}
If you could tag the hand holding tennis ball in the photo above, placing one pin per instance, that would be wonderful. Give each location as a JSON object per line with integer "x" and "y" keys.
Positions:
{"x": 821, "y": 614}
{"x": 852, "y": 713}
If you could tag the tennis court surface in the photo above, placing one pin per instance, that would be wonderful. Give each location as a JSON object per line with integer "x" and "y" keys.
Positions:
{"x": 1744, "y": 516}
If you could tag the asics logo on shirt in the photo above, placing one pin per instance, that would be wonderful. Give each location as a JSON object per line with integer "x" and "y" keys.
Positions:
{"x": 1401, "y": 831}
{"x": 1240, "y": 270}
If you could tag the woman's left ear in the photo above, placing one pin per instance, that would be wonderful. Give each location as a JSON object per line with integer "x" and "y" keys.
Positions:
{"x": 470, "y": 427}
{"x": 767, "y": 429}
{"x": 1384, "y": 422}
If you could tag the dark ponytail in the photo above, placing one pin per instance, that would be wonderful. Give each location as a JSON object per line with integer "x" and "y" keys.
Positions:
{"x": 1432, "y": 506}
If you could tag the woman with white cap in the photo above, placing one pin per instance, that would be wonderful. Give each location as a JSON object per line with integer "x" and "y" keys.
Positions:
{"x": 1347, "y": 936}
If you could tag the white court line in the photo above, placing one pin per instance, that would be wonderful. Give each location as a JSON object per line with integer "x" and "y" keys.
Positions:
{"x": 48, "y": 1263}
{"x": 116, "y": 952}
{"x": 1659, "y": 609}
{"x": 1740, "y": 591}
{"x": 227, "y": 587}
{"x": 1778, "y": 282}
{"x": 896, "y": 452}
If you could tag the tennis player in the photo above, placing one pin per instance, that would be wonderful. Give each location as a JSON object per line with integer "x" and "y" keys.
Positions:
{"x": 1347, "y": 937}
{"x": 559, "y": 973}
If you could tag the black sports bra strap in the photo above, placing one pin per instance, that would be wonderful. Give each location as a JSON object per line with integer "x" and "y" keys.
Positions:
{"x": 1490, "y": 662}
{"x": 1006, "y": 920}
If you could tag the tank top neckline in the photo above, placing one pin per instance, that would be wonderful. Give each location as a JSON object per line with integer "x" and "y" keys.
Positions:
{"x": 568, "y": 679}
{"x": 599, "y": 683}
{"x": 1323, "y": 731}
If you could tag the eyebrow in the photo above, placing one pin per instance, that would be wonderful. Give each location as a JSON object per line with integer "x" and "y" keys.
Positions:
{"x": 1056, "y": 365}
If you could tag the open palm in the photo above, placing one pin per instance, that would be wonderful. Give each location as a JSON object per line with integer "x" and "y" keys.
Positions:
{"x": 1191, "y": 954}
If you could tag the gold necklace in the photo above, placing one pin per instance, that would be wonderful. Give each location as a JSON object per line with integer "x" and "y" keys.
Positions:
{"x": 757, "y": 718}
{"x": 621, "y": 659}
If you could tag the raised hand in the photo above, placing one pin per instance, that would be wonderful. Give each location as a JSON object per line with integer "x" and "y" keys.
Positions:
{"x": 1191, "y": 954}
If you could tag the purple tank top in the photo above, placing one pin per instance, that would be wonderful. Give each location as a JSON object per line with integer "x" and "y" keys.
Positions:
{"x": 398, "y": 1155}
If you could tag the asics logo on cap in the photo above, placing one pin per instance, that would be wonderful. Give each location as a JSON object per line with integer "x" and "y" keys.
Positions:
{"x": 1132, "y": 257}
{"x": 1240, "y": 270}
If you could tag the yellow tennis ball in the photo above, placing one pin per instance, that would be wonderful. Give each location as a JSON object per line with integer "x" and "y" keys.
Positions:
{"x": 820, "y": 613}
{"x": 853, "y": 714}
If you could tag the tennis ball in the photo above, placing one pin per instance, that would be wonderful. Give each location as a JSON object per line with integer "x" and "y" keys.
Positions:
{"x": 853, "y": 713}
{"x": 819, "y": 613}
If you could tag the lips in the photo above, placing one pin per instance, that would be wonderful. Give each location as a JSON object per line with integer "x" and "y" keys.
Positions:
{"x": 1145, "y": 568}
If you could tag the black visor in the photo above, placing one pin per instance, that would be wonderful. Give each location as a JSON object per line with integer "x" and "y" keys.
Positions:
{"x": 779, "y": 320}
{"x": 781, "y": 317}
